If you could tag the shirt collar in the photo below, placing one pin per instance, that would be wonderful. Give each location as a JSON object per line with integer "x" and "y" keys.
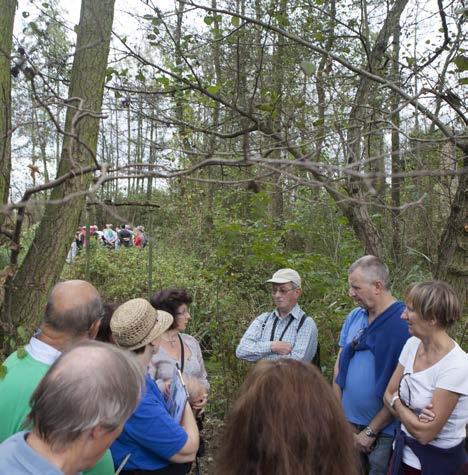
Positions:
{"x": 296, "y": 312}
{"x": 41, "y": 351}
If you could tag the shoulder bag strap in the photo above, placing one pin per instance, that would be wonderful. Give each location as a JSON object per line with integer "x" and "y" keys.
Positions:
{"x": 182, "y": 353}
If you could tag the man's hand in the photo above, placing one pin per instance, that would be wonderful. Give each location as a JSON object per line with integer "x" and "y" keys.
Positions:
{"x": 281, "y": 347}
{"x": 200, "y": 403}
{"x": 363, "y": 443}
{"x": 426, "y": 414}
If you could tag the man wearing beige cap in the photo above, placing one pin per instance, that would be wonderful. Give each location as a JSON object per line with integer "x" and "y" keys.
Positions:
{"x": 286, "y": 332}
{"x": 156, "y": 442}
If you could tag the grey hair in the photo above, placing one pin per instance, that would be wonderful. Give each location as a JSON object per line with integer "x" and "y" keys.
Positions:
{"x": 93, "y": 384}
{"x": 75, "y": 321}
{"x": 374, "y": 269}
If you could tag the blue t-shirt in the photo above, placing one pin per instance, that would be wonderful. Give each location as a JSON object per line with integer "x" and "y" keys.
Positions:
{"x": 18, "y": 458}
{"x": 359, "y": 401}
{"x": 151, "y": 436}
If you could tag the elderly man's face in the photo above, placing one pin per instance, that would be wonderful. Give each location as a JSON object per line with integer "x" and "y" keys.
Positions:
{"x": 285, "y": 296}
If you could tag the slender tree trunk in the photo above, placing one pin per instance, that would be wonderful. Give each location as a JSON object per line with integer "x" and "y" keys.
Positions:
{"x": 7, "y": 18}
{"x": 277, "y": 87}
{"x": 129, "y": 147}
{"x": 152, "y": 155}
{"x": 27, "y": 293}
{"x": 396, "y": 153}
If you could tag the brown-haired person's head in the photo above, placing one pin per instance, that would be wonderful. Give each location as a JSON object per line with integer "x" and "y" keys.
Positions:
{"x": 286, "y": 421}
{"x": 105, "y": 333}
{"x": 433, "y": 302}
{"x": 175, "y": 302}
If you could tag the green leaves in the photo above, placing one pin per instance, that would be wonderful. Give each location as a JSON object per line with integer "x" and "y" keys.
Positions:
{"x": 235, "y": 21}
{"x": 461, "y": 62}
{"x": 22, "y": 333}
{"x": 308, "y": 68}
{"x": 214, "y": 89}
{"x": 3, "y": 371}
{"x": 266, "y": 107}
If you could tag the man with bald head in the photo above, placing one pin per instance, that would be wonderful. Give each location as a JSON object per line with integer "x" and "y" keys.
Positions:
{"x": 70, "y": 430}
{"x": 72, "y": 314}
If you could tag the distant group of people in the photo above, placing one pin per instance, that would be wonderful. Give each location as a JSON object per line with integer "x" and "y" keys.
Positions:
{"x": 398, "y": 404}
{"x": 124, "y": 235}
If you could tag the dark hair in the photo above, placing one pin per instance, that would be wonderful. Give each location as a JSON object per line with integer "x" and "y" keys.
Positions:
{"x": 139, "y": 351}
{"x": 170, "y": 300}
{"x": 286, "y": 421}
{"x": 105, "y": 333}
{"x": 434, "y": 300}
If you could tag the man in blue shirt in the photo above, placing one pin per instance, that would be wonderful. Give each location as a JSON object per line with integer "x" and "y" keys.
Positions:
{"x": 371, "y": 340}
{"x": 286, "y": 332}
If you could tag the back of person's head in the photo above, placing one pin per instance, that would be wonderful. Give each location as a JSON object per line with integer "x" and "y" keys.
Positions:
{"x": 93, "y": 384}
{"x": 286, "y": 421}
{"x": 73, "y": 307}
{"x": 434, "y": 300}
{"x": 374, "y": 270}
{"x": 105, "y": 333}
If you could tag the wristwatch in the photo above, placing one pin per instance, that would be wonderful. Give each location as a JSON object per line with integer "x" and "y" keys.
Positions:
{"x": 393, "y": 401}
{"x": 369, "y": 432}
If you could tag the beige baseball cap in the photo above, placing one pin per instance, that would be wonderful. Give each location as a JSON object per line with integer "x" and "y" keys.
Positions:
{"x": 283, "y": 276}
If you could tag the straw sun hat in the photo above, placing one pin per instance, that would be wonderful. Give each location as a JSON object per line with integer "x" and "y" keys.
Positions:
{"x": 136, "y": 323}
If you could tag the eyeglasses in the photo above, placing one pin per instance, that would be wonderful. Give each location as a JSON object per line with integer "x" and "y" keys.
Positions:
{"x": 406, "y": 379}
{"x": 357, "y": 338}
{"x": 184, "y": 312}
{"x": 281, "y": 291}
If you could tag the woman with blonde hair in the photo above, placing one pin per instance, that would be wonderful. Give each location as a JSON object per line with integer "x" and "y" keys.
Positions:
{"x": 286, "y": 421}
{"x": 428, "y": 391}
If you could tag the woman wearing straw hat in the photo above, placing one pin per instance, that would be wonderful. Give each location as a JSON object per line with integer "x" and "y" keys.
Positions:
{"x": 156, "y": 442}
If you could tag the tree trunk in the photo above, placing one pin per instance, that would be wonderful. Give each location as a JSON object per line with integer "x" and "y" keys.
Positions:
{"x": 396, "y": 153}
{"x": 7, "y": 19}
{"x": 358, "y": 213}
{"x": 27, "y": 293}
{"x": 453, "y": 247}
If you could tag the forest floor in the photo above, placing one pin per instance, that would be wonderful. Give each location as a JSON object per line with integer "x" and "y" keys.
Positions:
{"x": 212, "y": 427}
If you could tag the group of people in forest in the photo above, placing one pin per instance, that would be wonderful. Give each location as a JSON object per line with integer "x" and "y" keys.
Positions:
{"x": 398, "y": 403}
{"x": 124, "y": 235}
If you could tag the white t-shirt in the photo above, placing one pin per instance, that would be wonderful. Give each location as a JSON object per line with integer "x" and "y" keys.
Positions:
{"x": 416, "y": 390}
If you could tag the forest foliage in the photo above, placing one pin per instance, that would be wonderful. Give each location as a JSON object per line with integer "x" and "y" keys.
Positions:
{"x": 245, "y": 136}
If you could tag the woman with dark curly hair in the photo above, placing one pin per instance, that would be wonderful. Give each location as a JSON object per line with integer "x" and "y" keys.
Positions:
{"x": 286, "y": 421}
{"x": 179, "y": 348}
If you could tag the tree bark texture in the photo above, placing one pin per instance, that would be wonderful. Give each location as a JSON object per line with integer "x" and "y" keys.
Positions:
{"x": 7, "y": 18}
{"x": 27, "y": 293}
{"x": 359, "y": 215}
{"x": 452, "y": 262}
